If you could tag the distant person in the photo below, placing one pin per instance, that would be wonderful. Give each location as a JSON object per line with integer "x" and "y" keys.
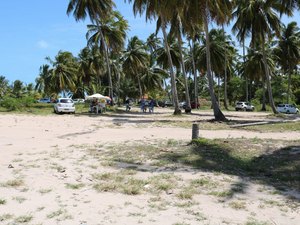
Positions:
{"x": 142, "y": 105}
{"x": 151, "y": 106}
{"x": 127, "y": 103}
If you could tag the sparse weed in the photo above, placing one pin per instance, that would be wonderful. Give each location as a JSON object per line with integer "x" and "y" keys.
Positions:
{"x": 13, "y": 183}
{"x": 74, "y": 186}
{"x": 23, "y": 219}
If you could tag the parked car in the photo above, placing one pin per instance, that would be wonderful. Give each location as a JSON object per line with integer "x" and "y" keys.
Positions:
{"x": 182, "y": 105}
{"x": 165, "y": 103}
{"x": 244, "y": 106}
{"x": 64, "y": 105}
{"x": 78, "y": 100}
{"x": 287, "y": 108}
{"x": 44, "y": 100}
{"x": 194, "y": 105}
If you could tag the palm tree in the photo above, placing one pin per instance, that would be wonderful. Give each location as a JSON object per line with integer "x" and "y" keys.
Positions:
{"x": 160, "y": 9}
{"x": 135, "y": 60}
{"x": 43, "y": 81}
{"x": 203, "y": 12}
{"x": 254, "y": 67}
{"x": 63, "y": 71}
{"x": 97, "y": 10}
{"x": 259, "y": 19}
{"x": 288, "y": 51}
{"x": 177, "y": 31}
{"x": 3, "y": 86}
{"x": 113, "y": 29}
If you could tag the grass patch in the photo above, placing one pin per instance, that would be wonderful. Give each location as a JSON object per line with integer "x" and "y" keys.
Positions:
{"x": 5, "y": 216}
{"x": 237, "y": 205}
{"x": 45, "y": 191}
{"x": 23, "y": 219}
{"x": 74, "y": 186}
{"x": 118, "y": 182}
{"x": 19, "y": 199}
{"x": 275, "y": 127}
{"x": 274, "y": 162}
{"x": 2, "y": 201}
{"x": 13, "y": 183}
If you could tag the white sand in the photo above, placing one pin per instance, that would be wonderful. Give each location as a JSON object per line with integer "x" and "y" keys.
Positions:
{"x": 38, "y": 146}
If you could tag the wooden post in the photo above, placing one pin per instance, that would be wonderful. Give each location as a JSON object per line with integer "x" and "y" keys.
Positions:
{"x": 195, "y": 131}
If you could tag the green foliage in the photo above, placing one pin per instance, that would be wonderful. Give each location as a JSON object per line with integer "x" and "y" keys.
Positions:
{"x": 17, "y": 104}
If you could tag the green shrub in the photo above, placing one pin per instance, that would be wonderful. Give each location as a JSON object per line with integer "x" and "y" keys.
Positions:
{"x": 17, "y": 104}
{"x": 10, "y": 103}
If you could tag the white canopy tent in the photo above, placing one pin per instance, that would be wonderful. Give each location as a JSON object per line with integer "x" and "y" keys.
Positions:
{"x": 97, "y": 96}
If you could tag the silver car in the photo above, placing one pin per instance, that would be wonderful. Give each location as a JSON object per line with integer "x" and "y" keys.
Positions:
{"x": 244, "y": 106}
{"x": 287, "y": 108}
{"x": 64, "y": 105}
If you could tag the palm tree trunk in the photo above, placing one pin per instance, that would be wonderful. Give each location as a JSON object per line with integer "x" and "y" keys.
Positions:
{"x": 107, "y": 62}
{"x": 246, "y": 80}
{"x": 195, "y": 74}
{"x": 289, "y": 85}
{"x": 187, "y": 94}
{"x": 219, "y": 116}
{"x": 225, "y": 76}
{"x": 173, "y": 76}
{"x": 268, "y": 81}
{"x": 263, "y": 106}
{"x": 140, "y": 87}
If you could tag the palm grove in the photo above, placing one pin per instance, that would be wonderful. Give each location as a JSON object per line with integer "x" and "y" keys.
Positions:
{"x": 189, "y": 61}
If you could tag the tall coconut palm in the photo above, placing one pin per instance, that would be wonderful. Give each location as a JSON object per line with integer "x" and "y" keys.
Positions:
{"x": 63, "y": 71}
{"x": 254, "y": 67}
{"x": 95, "y": 10}
{"x": 259, "y": 19}
{"x": 177, "y": 30}
{"x": 109, "y": 34}
{"x": 204, "y": 12}
{"x": 135, "y": 60}
{"x": 288, "y": 51}
{"x": 160, "y": 9}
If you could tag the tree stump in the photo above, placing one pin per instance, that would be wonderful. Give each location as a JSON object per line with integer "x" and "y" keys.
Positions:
{"x": 195, "y": 131}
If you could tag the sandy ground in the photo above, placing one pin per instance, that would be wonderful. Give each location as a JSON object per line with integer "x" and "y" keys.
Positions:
{"x": 42, "y": 154}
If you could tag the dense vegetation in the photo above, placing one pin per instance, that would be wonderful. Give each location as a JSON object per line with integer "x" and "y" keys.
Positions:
{"x": 190, "y": 60}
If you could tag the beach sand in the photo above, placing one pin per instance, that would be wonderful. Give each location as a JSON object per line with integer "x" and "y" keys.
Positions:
{"x": 48, "y": 173}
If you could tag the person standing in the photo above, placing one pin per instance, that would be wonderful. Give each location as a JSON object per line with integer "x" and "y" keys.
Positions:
{"x": 151, "y": 106}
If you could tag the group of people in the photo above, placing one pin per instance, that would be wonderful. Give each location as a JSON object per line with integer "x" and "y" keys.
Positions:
{"x": 147, "y": 105}
{"x": 98, "y": 106}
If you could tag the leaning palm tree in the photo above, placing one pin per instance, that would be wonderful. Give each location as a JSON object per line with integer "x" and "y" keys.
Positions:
{"x": 204, "y": 12}
{"x": 177, "y": 30}
{"x": 161, "y": 9}
{"x": 258, "y": 18}
{"x": 288, "y": 51}
{"x": 95, "y": 10}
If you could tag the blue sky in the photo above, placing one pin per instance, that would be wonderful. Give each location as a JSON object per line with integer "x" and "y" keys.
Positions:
{"x": 34, "y": 29}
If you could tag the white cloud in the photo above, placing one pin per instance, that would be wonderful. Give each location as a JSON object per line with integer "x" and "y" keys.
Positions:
{"x": 42, "y": 44}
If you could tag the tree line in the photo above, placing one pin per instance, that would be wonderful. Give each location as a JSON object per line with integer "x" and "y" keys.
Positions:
{"x": 190, "y": 61}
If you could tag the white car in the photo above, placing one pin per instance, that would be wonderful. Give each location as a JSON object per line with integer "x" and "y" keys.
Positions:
{"x": 78, "y": 100}
{"x": 44, "y": 100}
{"x": 244, "y": 106}
{"x": 287, "y": 108}
{"x": 64, "y": 105}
